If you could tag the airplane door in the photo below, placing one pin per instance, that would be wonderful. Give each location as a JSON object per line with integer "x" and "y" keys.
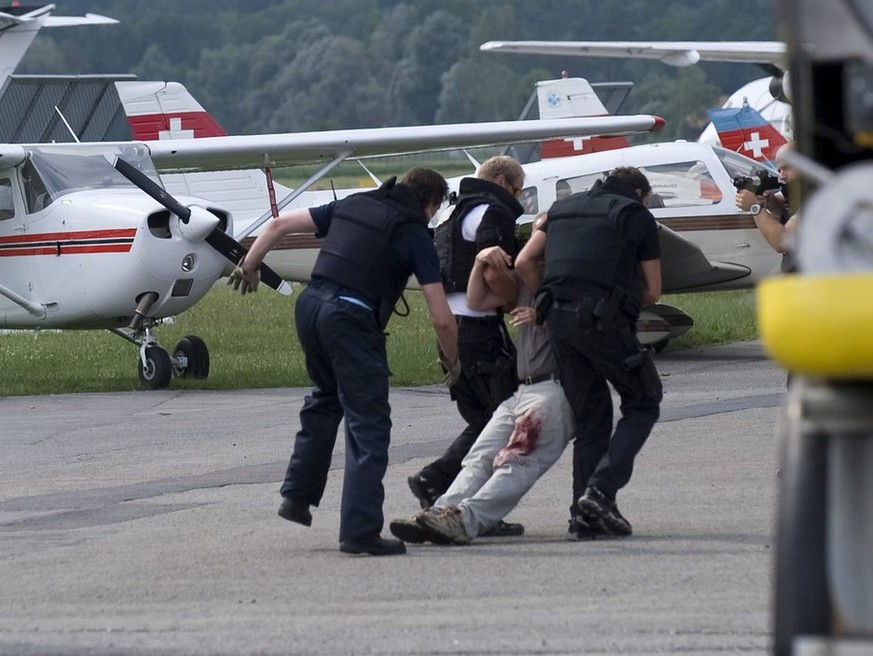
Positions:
{"x": 13, "y": 268}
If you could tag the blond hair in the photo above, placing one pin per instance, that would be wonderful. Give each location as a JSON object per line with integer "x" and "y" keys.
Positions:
{"x": 493, "y": 167}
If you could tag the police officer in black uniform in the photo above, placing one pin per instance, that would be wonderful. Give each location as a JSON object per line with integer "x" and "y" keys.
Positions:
{"x": 484, "y": 216}
{"x": 602, "y": 264}
{"x": 373, "y": 241}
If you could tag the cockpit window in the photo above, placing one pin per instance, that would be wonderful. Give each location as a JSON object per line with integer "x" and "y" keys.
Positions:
{"x": 567, "y": 186}
{"x": 529, "y": 200}
{"x": 740, "y": 166}
{"x": 7, "y": 206}
{"x": 51, "y": 173}
{"x": 35, "y": 192}
{"x": 681, "y": 184}
{"x": 677, "y": 184}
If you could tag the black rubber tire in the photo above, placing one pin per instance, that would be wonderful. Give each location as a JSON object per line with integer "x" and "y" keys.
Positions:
{"x": 194, "y": 350}
{"x": 158, "y": 369}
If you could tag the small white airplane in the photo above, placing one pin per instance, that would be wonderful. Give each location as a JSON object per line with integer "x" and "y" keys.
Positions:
{"x": 90, "y": 239}
{"x": 708, "y": 244}
{"x": 81, "y": 246}
{"x": 767, "y": 95}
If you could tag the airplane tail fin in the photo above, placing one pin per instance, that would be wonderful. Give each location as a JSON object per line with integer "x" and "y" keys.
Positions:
{"x": 743, "y": 130}
{"x": 165, "y": 110}
{"x": 20, "y": 24}
{"x": 572, "y": 97}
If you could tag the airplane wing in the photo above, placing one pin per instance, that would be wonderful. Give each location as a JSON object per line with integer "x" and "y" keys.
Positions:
{"x": 277, "y": 150}
{"x": 11, "y": 155}
{"x": 87, "y": 19}
{"x": 674, "y": 53}
{"x": 685, "y": 268}
{"x": 17, "y": 15}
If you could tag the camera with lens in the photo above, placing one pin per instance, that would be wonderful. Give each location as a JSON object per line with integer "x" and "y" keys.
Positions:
{"x": 760, "y": 181}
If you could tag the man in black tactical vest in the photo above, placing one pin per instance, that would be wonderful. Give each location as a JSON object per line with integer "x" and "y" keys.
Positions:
{"x": 373, "y": 242}
{"x": 484, "y": 216}
{"x": 602, "y": 265}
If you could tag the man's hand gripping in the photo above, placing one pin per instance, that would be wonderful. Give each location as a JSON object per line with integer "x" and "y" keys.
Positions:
{"x": 244, "y": 281}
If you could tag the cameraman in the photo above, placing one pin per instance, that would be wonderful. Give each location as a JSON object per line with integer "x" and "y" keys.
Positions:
{"x": 771, "y": 210}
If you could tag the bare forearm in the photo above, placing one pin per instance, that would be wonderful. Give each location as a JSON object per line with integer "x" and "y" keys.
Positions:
{"x": 477, "y": 290}
{"x": 529, "y": 260}
{"x": 295, "y": 221}
{"x": 530, "y": 273}
{"x": 262, "y": 245}
{"x": 651, "y": 270}
{"x": 442, "y": 319}
{"x": 771, "y": 229}
{"x": 503, "y": 285}
{"x": 447, "y": 338}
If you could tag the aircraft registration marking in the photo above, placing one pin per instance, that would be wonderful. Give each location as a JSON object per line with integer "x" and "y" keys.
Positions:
{"x": 68, "y": 243}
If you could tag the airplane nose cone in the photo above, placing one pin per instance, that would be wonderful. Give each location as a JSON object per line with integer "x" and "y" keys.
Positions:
{"x": 199, "y": 225}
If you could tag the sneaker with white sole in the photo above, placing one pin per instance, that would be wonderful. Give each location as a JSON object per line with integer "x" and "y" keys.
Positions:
{"x": 446, "y": 522}
{"x": 597, "y": 508}
{"x": 410, "y": 531}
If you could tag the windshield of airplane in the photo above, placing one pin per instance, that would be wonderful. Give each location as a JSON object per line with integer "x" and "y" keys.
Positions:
{"x": 681, "y": 184}
{"x": 676, "y": 184}
{"x": 51, "y": 172}
{"x": 740, "y": 166}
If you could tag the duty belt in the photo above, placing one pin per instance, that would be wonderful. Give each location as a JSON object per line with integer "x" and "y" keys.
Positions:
{"x": 464, "y": 320}
{"x": 533, "y": 380}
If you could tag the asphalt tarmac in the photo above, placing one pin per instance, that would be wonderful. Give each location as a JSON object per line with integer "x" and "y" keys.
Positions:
{"x": 145, "y": 523}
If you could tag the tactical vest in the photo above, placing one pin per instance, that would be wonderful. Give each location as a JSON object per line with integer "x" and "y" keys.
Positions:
{"x": 455, "y": 253}
{"x": 585, "y": 245}
{"x": 356, "y": 252}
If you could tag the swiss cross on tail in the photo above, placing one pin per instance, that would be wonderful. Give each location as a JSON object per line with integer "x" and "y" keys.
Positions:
{"x": 743, "y": 130}
{"x": 570, "y": 97}
{"x": 165, "y": 110}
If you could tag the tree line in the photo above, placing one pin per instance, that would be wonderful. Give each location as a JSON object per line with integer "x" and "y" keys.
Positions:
{"x": 291, "y": 65}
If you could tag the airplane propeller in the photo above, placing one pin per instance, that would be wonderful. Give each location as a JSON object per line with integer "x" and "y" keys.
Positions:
{"x": 201, "y": 227}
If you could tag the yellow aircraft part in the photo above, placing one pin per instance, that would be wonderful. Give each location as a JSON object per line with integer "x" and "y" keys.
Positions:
{"x": 819, "y": 325}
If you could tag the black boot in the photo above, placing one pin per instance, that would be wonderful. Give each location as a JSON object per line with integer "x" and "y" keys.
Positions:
{"x": 295, "y": 511}
{"x": 375, "y": 545}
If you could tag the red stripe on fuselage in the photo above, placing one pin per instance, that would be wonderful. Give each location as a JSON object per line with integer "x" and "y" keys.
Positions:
{"x": 66, "y": 249}
{"x": 147, "y": 127}
{"x": 68, "y": 243}
{"x": 124, "y": 233}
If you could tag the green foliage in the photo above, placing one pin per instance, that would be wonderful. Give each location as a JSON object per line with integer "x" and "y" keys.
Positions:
{"x": 253, "y": 344}
{"x": 308, "y": 64}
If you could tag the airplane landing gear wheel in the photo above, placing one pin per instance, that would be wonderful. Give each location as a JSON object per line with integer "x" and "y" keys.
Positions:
{"x": 157, "y": 370}
{"x": 191, "y": 358}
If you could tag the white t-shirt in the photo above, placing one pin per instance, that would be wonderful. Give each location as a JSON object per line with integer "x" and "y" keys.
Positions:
{"x": 458, "y": 300}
